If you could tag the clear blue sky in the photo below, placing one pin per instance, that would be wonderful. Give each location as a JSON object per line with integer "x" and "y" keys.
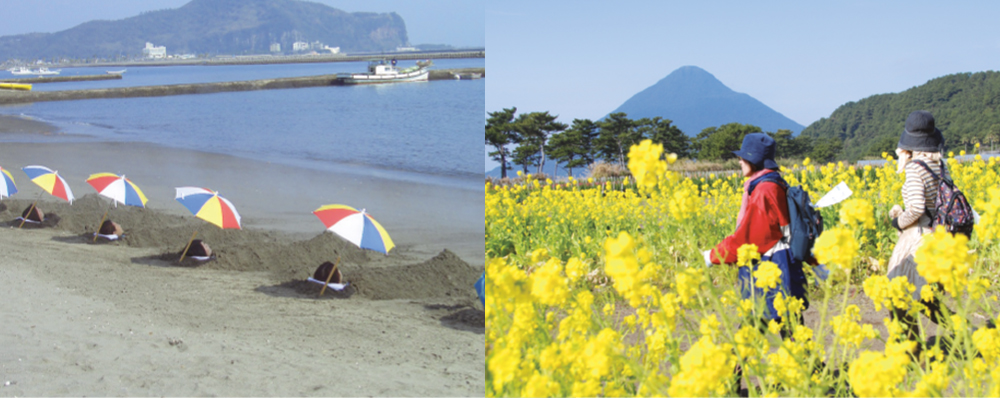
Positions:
{"x": 583, "y": 59}
{"x": 453, "y": 22}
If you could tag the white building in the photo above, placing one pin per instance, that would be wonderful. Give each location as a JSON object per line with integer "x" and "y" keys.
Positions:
{"x": 300, "y": 46}
{"x": 276, "y": 47}
{"x": 154, "y": 52}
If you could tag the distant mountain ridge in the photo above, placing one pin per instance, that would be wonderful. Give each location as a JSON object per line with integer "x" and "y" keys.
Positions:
{"x": 216, "y": 27}
{"x": 694, "y": 100}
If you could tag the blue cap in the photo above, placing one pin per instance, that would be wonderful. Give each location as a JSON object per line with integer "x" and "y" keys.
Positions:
{"x": 758, "y": 150}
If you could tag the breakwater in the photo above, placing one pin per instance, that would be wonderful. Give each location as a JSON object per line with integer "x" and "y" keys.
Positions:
{"x": 63, "y": 79}
{"x": 21, "y": 97}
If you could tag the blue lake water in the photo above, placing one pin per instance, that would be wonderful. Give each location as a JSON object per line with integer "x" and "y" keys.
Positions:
{"x": 425, "y": 131}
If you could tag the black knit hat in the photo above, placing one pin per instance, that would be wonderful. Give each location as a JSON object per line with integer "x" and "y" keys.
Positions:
{"x": 920, "y": 133}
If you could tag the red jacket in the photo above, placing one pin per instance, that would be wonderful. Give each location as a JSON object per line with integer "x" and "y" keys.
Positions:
{"x": 766, "y": 213}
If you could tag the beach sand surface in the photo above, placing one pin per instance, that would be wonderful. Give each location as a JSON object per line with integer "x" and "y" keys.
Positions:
{"x": 124, "y": 318}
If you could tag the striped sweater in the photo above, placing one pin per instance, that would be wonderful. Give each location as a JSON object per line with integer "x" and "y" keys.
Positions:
{"x": 919, "y": 190}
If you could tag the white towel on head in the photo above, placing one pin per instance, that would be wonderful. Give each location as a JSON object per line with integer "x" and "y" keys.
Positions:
{"x": 335, "y": 286}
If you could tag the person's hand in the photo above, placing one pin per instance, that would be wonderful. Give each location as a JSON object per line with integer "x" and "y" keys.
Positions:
{"x": 708, "y": 257}
{"x": 895, "y": 211}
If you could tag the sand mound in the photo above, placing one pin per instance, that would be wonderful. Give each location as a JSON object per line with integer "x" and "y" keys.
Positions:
{"x": 373, "y": 275}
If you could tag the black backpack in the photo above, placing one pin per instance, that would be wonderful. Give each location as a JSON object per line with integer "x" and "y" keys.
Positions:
{"x": 951, "y": 209}
{"x": 806, "y": 223}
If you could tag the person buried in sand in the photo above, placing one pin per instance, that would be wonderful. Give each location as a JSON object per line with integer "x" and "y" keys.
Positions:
{"x": 763, "y": 220}
{"x": 198, "y": 251}
{"x": 109, "y": 231}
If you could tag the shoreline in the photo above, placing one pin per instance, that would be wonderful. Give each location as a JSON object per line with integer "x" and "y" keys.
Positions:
{"x": 122, "y": 318}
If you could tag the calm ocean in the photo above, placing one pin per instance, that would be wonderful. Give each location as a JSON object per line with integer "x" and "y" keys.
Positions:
{"x": 426, "y": 132}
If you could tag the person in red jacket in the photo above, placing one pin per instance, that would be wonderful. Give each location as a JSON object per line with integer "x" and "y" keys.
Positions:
{"x": 763, "y": 220}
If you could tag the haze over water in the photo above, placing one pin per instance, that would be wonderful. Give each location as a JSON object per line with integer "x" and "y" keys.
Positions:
{"x": 425, "y": 132}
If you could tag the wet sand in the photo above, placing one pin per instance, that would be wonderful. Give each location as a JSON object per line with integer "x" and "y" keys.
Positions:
{"x": 124, "y": 318}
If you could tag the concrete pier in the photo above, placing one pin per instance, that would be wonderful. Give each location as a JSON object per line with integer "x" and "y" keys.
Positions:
{"x": 62, "y": 79}
{"x": 21, "y": 97}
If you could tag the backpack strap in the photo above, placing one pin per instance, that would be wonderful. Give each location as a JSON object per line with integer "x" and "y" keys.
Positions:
{"x": 944, "y": 172}
{"x": 774, "y": 177}
{"x": 928, "y": 168}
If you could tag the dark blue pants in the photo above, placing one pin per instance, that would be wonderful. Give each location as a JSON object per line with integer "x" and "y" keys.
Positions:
{"x": 792, "y": 284}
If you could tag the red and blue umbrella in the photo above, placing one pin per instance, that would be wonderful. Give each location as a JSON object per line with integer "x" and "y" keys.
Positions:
{"x": 118, "y": 188}
{"x": 209, "y": 206}
{"x": 356, "y": 227}
{"x": 7, "y": 186}
{"x": 50, "y": 181}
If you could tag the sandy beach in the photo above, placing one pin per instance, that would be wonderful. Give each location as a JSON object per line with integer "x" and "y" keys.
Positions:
{"x": 124, "y": 318}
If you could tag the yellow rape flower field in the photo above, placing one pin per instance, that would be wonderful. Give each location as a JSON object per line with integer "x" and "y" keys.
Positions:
{"x": 600, "y": 289}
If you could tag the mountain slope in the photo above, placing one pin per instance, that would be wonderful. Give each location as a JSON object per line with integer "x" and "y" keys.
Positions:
{"x": 694, "y": 99}
{"x": 966, "y": 108}
{"x": 216, "y": 27}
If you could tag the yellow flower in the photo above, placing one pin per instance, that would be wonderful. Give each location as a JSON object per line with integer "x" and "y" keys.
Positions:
{"x": 548, "y": 285}
{"x": 987, "y": 342}
{"x": 768, "y": 274}
{"x": 645, "y": 164}
{"x": 688, "y": 284}
{"x": 847, "y": 329}
{"x": 503, "y": 365}
{"x": 709, "y": 326}
{"x": 705, "y": 370}
{"x": 857, "y": 211}
{"x": 540, "y": 386}
{"x": 945, "y": 259}
{"x": 836, "y": 246}
{"x": 774, "y": 327}
{"x": 876, "y": 374}
{"x": 746, "y": 254}
{"x": 890, "y": 293}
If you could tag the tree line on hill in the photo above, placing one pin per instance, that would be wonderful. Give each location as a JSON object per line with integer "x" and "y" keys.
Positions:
{"x": 966, "y": 108}
{"x": 530, "y": 139}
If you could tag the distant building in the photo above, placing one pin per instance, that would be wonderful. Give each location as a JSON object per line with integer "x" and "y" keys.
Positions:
{"x": 300, "y": 46}
{"x": 154, "y": 52}
{"x": 276, "y": 47}
{"x": 328, "y": 50}
{"x": 404, "y": 49}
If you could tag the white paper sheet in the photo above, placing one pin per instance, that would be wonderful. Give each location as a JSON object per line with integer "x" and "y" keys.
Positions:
{"x": 836, "y": 195}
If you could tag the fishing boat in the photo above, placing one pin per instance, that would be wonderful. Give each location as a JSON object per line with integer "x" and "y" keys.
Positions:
{"x": 46, "y": 71}
{"x": 21, "y": 71}
{"x": 382, "y": 71}
{"x": 116, "y": 72}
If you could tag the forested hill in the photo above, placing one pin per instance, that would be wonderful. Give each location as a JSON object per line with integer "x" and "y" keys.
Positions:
{"x": 694, "y": 100}
{"x": 216, "y": 27}
{"x": 965, "y": 108}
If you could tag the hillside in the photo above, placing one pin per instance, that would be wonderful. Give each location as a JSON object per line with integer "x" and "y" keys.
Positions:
{"x": 965, "y": 108}
{"x": 694, "y": 99}
{"x": 216, "y": 27}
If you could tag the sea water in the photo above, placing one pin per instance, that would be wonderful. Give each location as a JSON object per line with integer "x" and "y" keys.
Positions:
{"x": 427, "y": 132}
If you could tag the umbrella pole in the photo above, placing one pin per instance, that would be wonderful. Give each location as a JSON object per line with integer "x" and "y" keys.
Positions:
{"x": 188, "y": 246}
{"x": 102, "y": 221}
{"x": 23, "y": 219}
{"x": 330, "y": 276}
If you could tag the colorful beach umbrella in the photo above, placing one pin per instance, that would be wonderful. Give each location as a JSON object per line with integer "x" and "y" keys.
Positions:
{"x": 356, "y": 227}
{"x": 117, "y": 188}
{"x": 7, "y": 186}
{"x": 209, "y": 206}
{"x": 50, "y": 181}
